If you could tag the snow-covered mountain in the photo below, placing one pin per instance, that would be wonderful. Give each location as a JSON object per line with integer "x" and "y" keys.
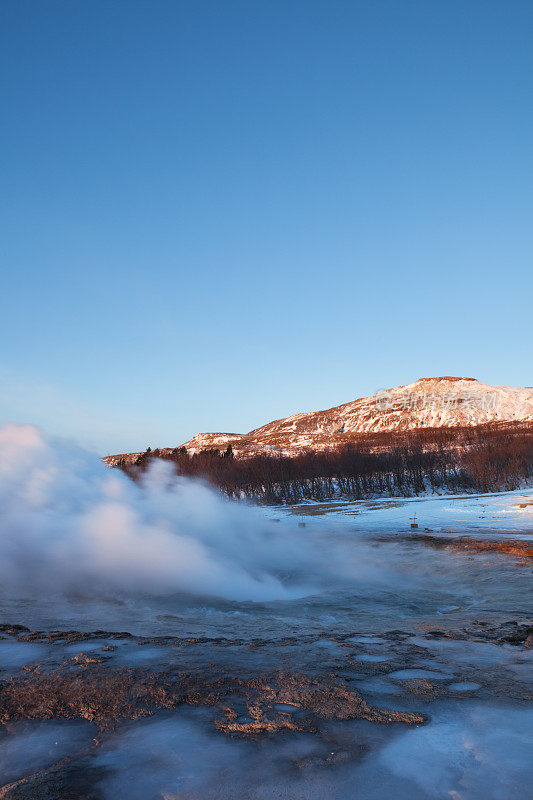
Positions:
{"x": 426, "y": 403}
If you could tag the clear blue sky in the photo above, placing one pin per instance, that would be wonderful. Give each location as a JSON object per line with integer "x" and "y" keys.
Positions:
{"x": 219, "y": 213}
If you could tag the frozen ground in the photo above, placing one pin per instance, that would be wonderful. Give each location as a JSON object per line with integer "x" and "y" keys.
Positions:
{"x": 399, "y": 664}
{"x": 505, "y": 512}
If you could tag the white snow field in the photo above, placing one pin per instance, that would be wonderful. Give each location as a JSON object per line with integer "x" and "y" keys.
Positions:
{"x": 503, "y": 512}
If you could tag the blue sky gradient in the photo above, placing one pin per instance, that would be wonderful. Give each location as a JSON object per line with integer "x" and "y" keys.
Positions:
{"x": 218, "y": 213}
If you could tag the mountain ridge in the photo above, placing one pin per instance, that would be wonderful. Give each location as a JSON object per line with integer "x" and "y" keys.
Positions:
{"x": 445, "y": 401}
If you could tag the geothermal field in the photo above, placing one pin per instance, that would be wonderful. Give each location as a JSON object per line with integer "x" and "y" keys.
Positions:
{"x": 159, "y": 641}
{"x": 266, "y": 306}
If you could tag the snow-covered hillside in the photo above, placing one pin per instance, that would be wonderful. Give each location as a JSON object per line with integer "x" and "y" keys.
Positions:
{"x": 427, "y": 403}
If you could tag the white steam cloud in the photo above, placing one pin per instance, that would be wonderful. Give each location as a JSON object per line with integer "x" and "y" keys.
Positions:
{"x": 70, "y": 524}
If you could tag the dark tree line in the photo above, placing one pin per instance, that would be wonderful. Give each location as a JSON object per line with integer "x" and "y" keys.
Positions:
{"x": 481, "y": 459}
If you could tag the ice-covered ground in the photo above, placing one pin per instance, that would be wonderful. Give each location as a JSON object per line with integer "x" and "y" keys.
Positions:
{"x": 504, "y": 512}
{"x": 434, "y": 635}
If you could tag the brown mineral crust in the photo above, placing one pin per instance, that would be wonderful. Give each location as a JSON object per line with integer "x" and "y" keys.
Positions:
{"x": 98, "y": 695}
{"x": 67, "y": 637}
{"x": 510, "y": 632}
{"x": 13, "y": 630}
{"x": 105, "y": 696}
{"x": 332, "y": 701}
{"x": 258, "y": 724}
{"x": 522, "y": 550}
{"x": 509, "y": 547}
{"x": 424, "y": 688}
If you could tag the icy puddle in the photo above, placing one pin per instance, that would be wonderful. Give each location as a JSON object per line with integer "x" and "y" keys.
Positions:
{"x": 468, "y": 752}
{"x": 464, "y": 686}
{"x": 18, "y": 654}
{"x": 371, "y": 657}
{"x": 457, "y": 755}
{"x": 39, "y": 745}
{"x": 407, "y": 674}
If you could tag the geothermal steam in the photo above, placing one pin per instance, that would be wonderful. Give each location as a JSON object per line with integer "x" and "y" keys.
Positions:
{"x": 70, "y": 524}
